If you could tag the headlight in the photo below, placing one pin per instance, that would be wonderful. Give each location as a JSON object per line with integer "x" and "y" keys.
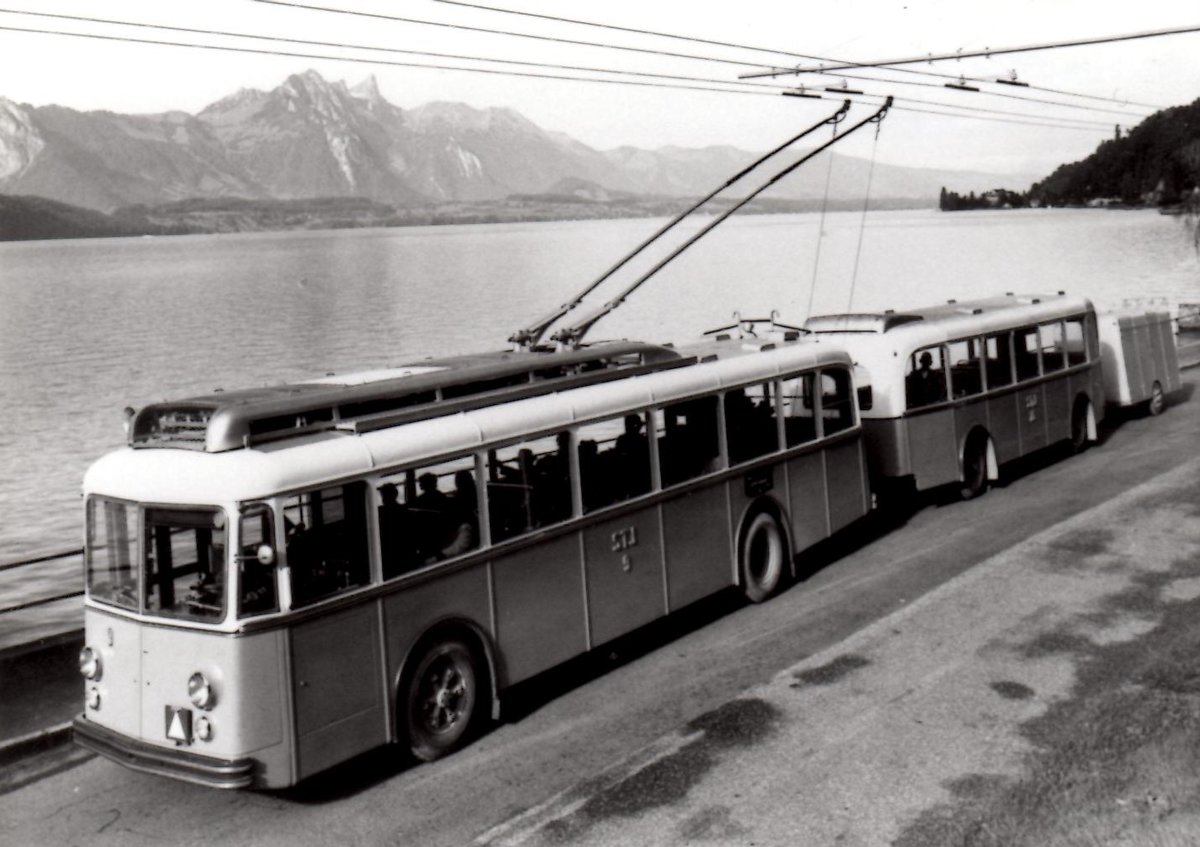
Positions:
{"x": 201, "y": 692}
{"x": 204, "y": 728}
{"x": 89, "y": 663}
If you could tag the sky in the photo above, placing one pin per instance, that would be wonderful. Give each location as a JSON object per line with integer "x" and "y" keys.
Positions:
{"x": 85, "y": 74}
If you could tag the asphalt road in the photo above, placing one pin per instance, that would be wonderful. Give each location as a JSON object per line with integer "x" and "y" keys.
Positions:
{"x": 574, "y": 724}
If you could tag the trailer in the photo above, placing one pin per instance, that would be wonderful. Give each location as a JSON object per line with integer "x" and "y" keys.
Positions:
{"x": 1140, "y": 364}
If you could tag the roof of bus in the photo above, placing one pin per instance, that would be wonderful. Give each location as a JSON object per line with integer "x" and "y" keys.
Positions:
{"x": 917, "y": 327}
{"x": 167, "y": 475}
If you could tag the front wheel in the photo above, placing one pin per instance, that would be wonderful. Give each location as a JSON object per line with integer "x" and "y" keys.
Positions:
{"x": 1079, "y": 426}
{"x": 762, "y": 557}
{"x": 1157, "y": 402}
{"x": 441, "y": 699}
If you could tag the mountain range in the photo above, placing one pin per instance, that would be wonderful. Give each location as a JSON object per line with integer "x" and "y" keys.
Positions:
{"x": 310, "y": 137}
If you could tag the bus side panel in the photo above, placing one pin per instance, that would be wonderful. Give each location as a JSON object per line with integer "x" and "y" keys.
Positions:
{"x": 696, "y": 533}
{"x": 887, "y": 446}
{"x": 810, "y": 500}
{"x": 1059, "y": 397}
{"x": 410, "y": 613}
{"x": 1003, "y": 416}
{"x": 844, "y": 481}
{"x": 624, "y": 563}
{"x": 967, "y": 416}
{"x": 540, "y": 615}
{"x": 933, "y": 447}
{"x": 1032, "y": 408}
{"x": 338, "y": 699}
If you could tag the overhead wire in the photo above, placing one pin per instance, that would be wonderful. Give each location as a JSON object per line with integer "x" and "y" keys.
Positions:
{"x": 1042, "y": 120}
{"x": 398, "y": 50}
{"x": 752, "y": 48}
{"x": 771, "y": 70}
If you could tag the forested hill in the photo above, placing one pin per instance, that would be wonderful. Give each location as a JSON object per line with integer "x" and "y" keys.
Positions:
{"x": 1156, "y": 163}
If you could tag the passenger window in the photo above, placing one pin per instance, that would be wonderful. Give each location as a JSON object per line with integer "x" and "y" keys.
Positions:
{"x": 799, "y": 421}
{"x": 925, "y": 382}
{"x": 428, "y": 514}
{"x": 529, "y": 485}
{"x": 326, "y": 542}
{"x": 966, "y": 375}
{"x": 1053, "y": 349}
{"x": 998, "y": 364}
{"x": 688, "y": 446}
{"x": 1025, "y": 342}
{"x": 257, "y": 593}
{"x": 1076, "y": 342}
{"x": 837, "y": 410}
{"x": 750, "y": 426}
{"x": 614, "y": 461}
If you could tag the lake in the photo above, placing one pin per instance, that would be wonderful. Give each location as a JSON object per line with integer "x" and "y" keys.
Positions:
{"x": 88, "y": 327}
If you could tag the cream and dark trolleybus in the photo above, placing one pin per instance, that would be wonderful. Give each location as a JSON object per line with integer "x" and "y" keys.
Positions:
{"x": 280, "y": 579}
{"x": 960, "y": 388}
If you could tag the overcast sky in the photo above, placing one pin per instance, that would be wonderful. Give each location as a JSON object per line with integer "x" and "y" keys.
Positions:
{"x": 84, "y": 74}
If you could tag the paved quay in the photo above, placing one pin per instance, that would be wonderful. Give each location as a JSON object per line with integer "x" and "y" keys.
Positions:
{"x": 853, "y": 744}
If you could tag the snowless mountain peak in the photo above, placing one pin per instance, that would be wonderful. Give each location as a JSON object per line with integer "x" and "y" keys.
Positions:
{"x": 368, "y": 90}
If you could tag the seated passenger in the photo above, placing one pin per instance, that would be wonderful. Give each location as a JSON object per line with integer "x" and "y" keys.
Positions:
{"x": 925, "y": 385}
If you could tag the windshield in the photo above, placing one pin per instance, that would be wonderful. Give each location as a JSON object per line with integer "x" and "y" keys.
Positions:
{"x": 112, "y": 530}
{"x": 185, "y": 563}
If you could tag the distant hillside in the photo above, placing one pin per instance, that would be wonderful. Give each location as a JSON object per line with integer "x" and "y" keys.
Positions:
{"x": 1156, "y": 163}
{"x": 25, "y": 218}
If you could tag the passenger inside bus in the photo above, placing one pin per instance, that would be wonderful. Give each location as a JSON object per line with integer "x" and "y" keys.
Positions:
{"x": 926, "y": 384}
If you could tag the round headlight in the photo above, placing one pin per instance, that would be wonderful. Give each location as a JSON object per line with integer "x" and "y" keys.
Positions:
{"x": 200, "y": 691}
{"x": 89, "y": 663}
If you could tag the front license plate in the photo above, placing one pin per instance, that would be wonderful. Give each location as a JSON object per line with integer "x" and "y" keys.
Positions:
{"x": 179, "y": 724}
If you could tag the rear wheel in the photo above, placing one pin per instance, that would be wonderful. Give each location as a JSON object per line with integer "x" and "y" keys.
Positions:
{"x": 1157, "y": 401}
{"x": 441, "y": 699}
{"x": 762, "y": 558}
{"x": 974, "y": 472}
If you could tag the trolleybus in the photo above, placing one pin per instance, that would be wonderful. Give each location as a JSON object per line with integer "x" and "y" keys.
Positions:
{"x": 282, "y": 578}
{"x": 958, "y": 389}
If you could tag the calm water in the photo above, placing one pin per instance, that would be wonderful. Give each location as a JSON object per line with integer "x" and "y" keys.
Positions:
{"x": 88, "y": 327}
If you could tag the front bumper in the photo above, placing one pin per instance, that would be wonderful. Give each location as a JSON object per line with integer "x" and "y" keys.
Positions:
{"x": 165, "y": 761}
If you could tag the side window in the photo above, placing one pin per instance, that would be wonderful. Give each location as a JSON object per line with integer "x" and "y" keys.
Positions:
{"x": 1025, "y": 352}
{"x": 750, "y": 422}
{"x": 326, "y": 542}
{"x": 1076, "y": 342}
{"x": 257, "y": 593}
{"x": 614, "y": 461}
{"x": 428, "y": 514}
{"x": 799, "y": 421}
{"x": 837, "y": 410}
{"x": 687, "y": 440}
{"x": 1053, "y": 348}
{"x": 998, "y": 361}
{"x": 966, "y": 376}
{"x": 529, "y": 485}
{"x": 925, "y": 381}
{"x": 112, "y": 534}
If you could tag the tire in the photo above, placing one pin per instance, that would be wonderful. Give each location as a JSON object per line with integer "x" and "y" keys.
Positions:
{"x": 1079, "y": 426}
{"x": 441, "y": 700}
{"x": 974, "y": 470}
{"x": 1157, "y": 402}
{"x": 762, "y": 557}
